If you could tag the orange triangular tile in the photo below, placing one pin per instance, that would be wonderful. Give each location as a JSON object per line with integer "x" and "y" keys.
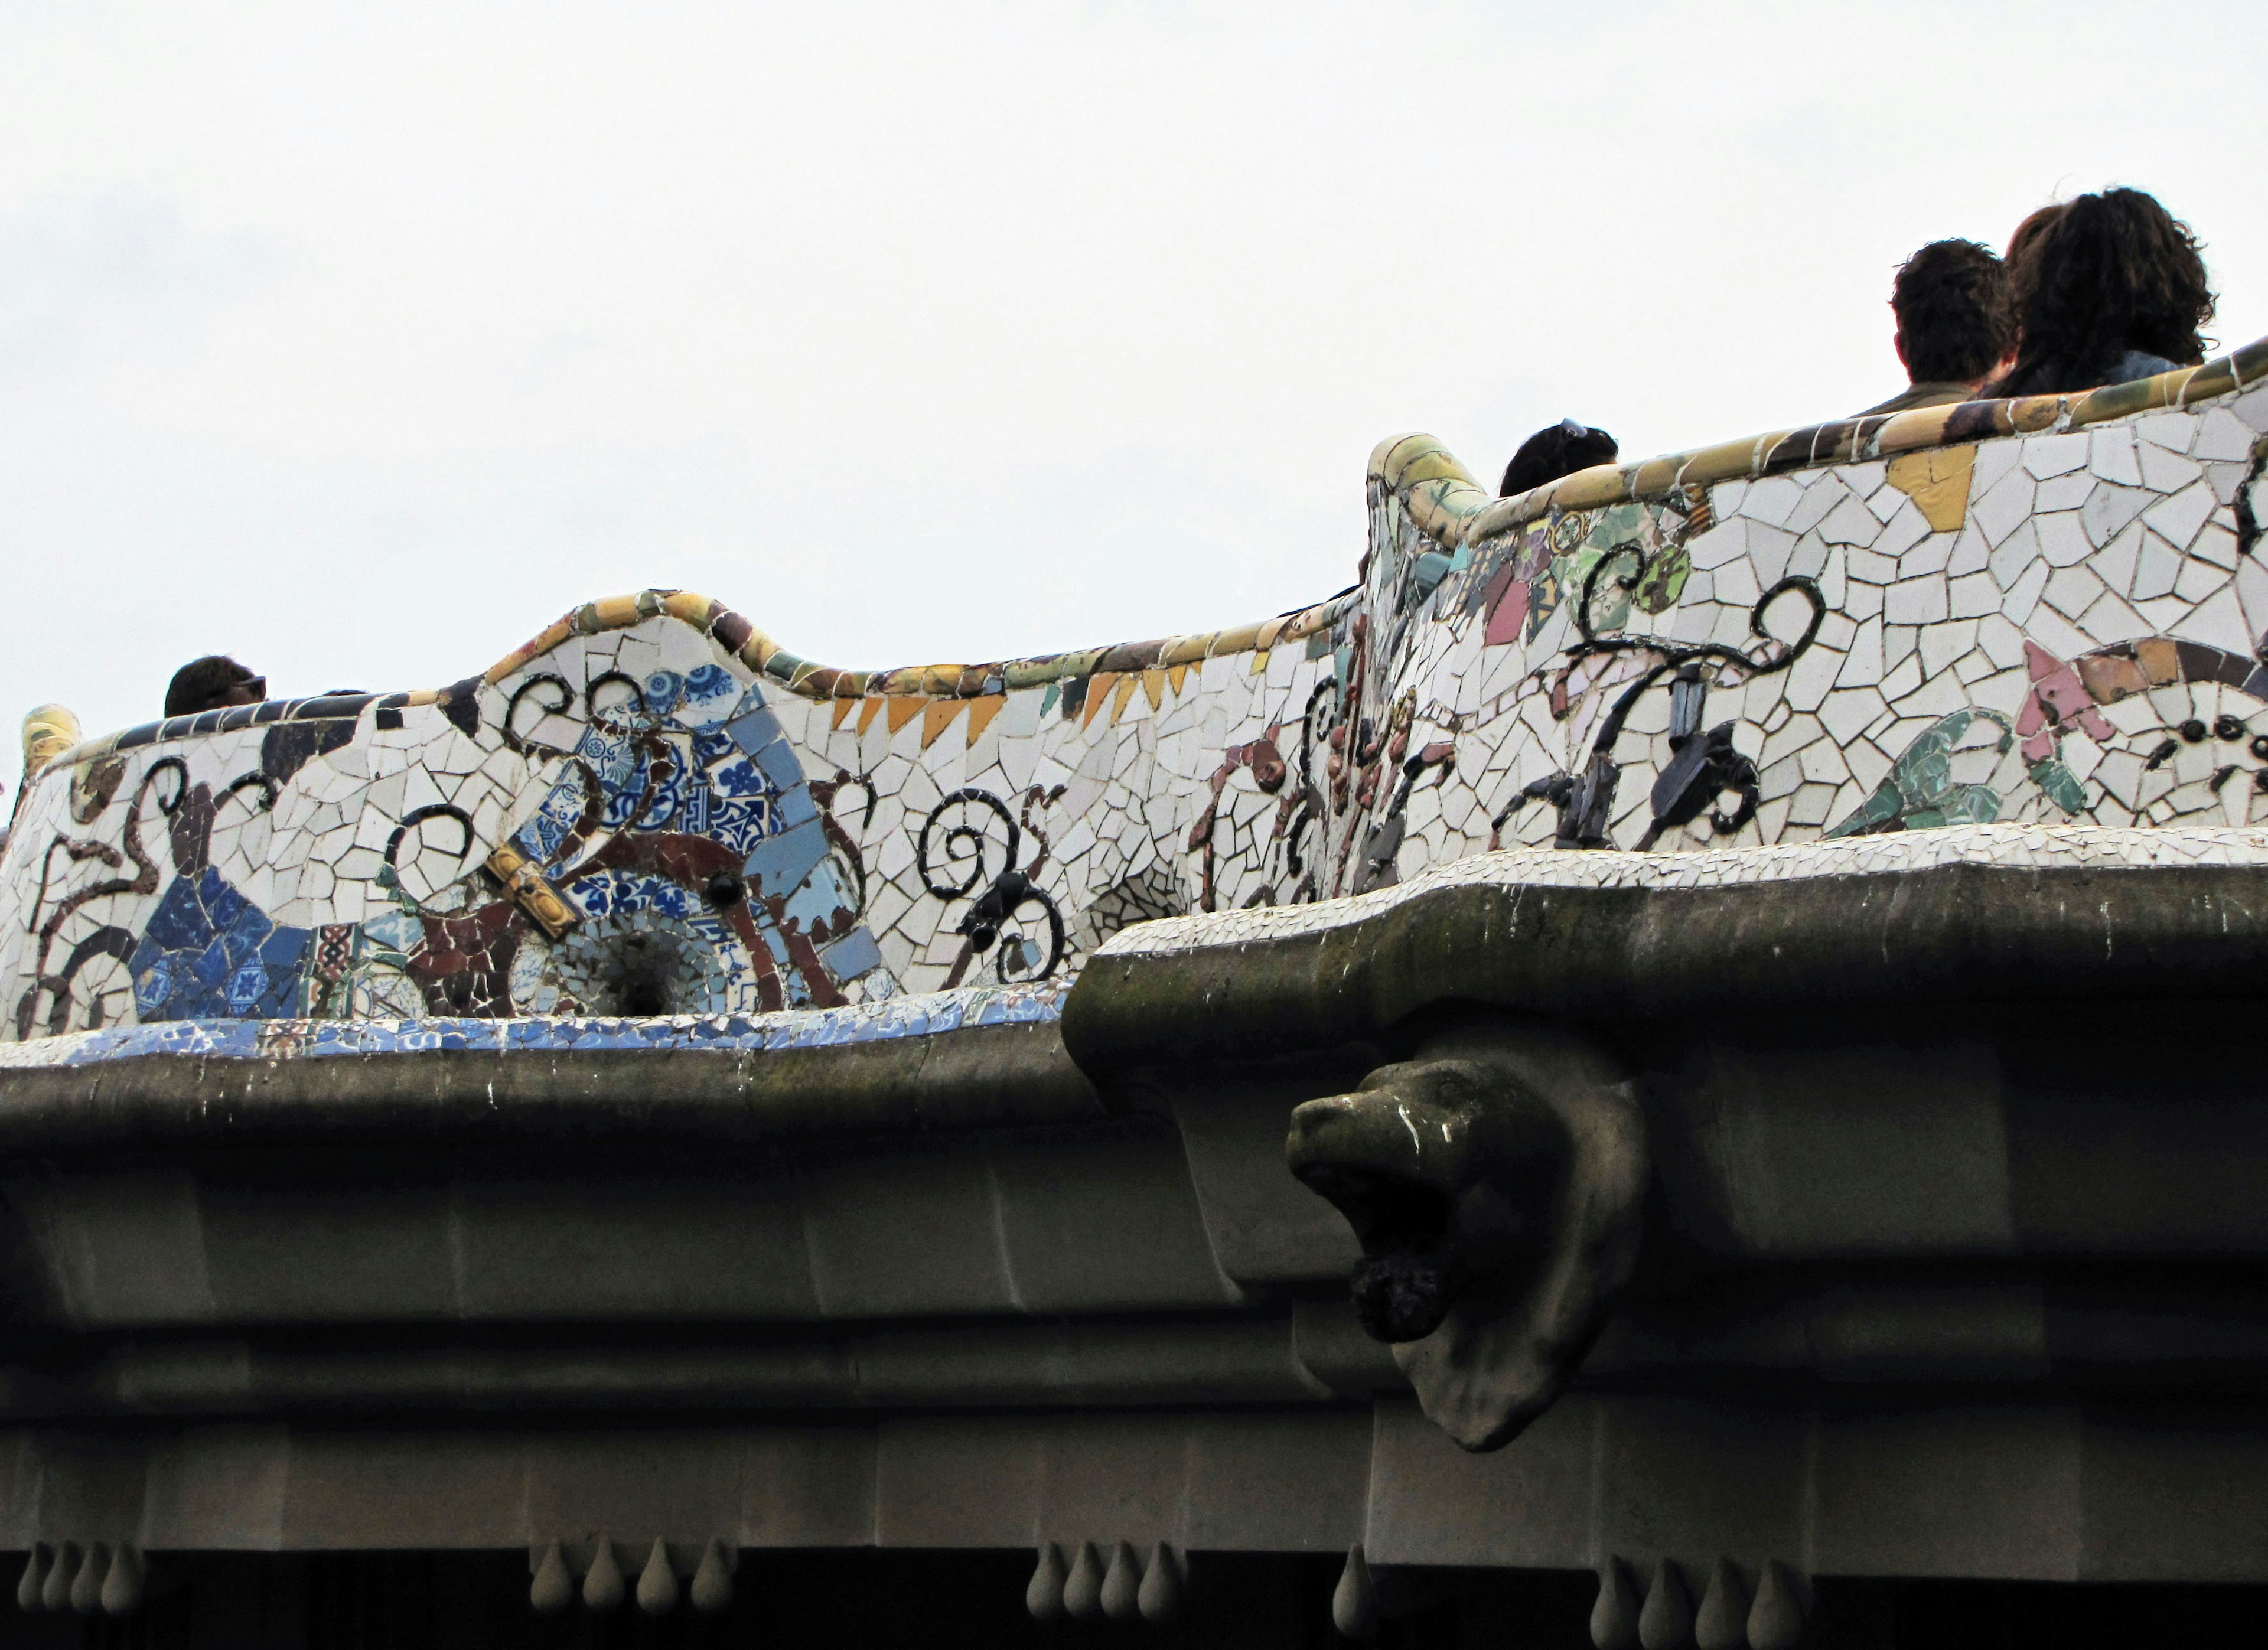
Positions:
{"x": 842, "y": 712}
{"x": 1098, "y": 687}
{"x": 938, "y": 717}
{"x": 1119, "y": 696}
{"x": 867, "y": 706}
{"x": 980, "y": 712}
{"x": 1177, "y": 675}
{"x": 902, "y": 707}
{"x": 1153, "y": 683}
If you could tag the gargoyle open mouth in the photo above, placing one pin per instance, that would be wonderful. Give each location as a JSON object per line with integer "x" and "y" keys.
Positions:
{"x": 1495, "y": 1184}
{"x": 1409, "y": 1276}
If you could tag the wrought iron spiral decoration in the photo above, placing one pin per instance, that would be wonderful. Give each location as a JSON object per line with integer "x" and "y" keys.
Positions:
{"x": 1579, "y": 797}
{"x": 1677, "y": 653}
{"x": 1008, "y": 892}
{"x": 965, "y": 843}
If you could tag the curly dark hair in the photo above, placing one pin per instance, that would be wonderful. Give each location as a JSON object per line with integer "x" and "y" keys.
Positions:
{"x": 2110, "y": 273}
{"x": 1954, "y": 320}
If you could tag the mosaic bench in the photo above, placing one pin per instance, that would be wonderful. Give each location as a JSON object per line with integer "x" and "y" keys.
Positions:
{"x": 2043, "y": 609}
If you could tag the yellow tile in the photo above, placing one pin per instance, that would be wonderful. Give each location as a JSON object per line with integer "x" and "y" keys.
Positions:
{"x": 1259, "y": 660}
{"x": 1937, "y": 480}
{"x": 1590, "y": 489}
{"x": 937, "y": 716}
{"x": 1185, "y": 650}
{"x": 1912, "y": 430}
{"x": 616, "y": 612}
{"x": 687, "y": 605}
{"x": 2214, "y": 378}
{"x": 2110, "y": 677}
{"x": 531, "y": 890}
{"x": 1430, "y": 465}
{"x": 557, "y": 631}
{"x": 1653, "y": 478}
{"x": 1119, "y": 696}
{"x": 1396, "y": 454}
{"x": 1097, "y": 686}
{"x": 2161, "y": 660}
{"x": 980, "y": 712}
{"x": 1177, "y": 674}
{"x": 49, "y": 730}
{"x": 1153, "y": 686}
{"x": 1725, "y": 461}
{"x": 2031, "y": 414}
{"x": 900, "y": 708}
{"x": 942, "y": 678}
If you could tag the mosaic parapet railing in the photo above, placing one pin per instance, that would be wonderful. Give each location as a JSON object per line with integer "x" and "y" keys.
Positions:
{"x": 2041, "y": 609}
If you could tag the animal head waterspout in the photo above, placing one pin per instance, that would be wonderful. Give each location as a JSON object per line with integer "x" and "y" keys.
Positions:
{"x": 1495, "y": 1183}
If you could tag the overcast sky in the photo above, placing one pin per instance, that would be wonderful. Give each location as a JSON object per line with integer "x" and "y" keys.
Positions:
{"x": 361, "y": 341}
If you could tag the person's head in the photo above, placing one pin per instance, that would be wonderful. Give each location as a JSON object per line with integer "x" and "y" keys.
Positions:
{"x": 2106, "y": 274}
{"x": 1561, "y": 450}
{"x": 1955, "y": 324}
{"x": 212, "y": 684}
{"x": 2021, "y": 238}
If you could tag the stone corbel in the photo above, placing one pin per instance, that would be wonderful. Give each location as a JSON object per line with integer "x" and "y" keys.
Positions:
{"x": 1497, "y": 1183}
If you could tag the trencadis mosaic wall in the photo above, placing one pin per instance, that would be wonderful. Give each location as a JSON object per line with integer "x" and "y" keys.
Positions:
{"x": 2043, "y": 610}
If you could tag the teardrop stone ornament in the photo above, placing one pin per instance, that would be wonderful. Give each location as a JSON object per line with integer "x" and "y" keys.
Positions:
{"x": 55, "y": 1592}
{"x": 1121, "y": 1584}
{"x": 1160, "y": 1599}
{"x": 602, "y": 1586}
{"x": 87, "y": 1586}
{"x": 1776, "y": 1619}
{"x": 35, "y": 1566}
{"x": 1613, "y": 1618}
{"x": 1082, "y": 1590}
{"x": 1354, "y": 1601}
{"x": 1667, "y": 1620}
{"x": 122, "y": 1588}
{"x": 1723, "y": 1623}
{"x": 657, "y": 1587}
{"x": 712, "y": 1579}
{"x": 553, "y": 1587}
{"x": 1044, "y": 1593}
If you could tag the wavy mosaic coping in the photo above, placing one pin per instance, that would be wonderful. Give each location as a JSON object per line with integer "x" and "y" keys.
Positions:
{"x": 739, "y": 638}
{"x": 2008, "y": 845}
{"x": 1443, "y": 499}
{"x": 927, "y": 1015}
{"x": 1451, "y": 507}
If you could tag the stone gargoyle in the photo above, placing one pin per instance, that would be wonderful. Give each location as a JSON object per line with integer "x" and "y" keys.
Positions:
{"x": 1497, "y": 1183}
